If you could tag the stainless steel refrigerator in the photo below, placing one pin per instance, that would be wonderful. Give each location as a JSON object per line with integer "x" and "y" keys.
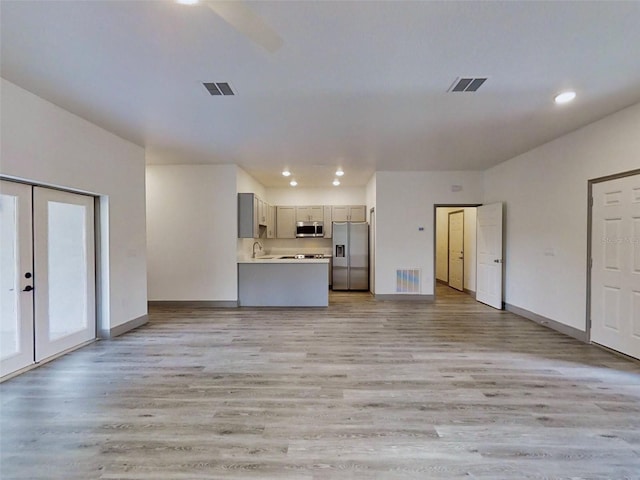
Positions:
{"x": 350, "y": 256}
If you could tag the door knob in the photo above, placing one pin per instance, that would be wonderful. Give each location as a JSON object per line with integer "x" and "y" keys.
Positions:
{"x": 28, "y": 288}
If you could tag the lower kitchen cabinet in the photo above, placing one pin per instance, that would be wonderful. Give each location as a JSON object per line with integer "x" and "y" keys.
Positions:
{"x": 291, "y": 284}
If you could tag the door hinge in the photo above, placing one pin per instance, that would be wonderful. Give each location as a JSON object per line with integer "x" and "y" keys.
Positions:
{"x": 591, "y": 201}
{"x": 591, "y": 263}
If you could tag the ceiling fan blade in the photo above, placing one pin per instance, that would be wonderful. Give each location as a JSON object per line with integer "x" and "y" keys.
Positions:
{"x": 246, "y": 21}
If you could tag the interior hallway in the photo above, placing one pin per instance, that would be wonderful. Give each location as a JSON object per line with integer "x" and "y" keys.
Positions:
{"x": 360, "y": 390}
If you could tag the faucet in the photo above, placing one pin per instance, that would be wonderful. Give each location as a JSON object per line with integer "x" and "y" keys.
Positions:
{"x": 254, "y": 248}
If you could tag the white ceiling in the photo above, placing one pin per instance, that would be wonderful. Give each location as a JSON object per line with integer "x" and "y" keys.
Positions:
{"x": 362, "y": 85}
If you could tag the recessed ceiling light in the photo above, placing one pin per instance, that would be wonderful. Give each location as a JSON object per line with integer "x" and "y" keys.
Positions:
{"x": 286, "y": 173}
{"x": 293, "y": 183}
{"x": 565, "y": 97}
{"x": 336, "y": 182}
{"x": 339, "y": 172}
{"x": 187, "y": 2}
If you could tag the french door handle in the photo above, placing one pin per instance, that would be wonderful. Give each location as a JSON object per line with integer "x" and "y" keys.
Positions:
{"x": 28, "y": 288}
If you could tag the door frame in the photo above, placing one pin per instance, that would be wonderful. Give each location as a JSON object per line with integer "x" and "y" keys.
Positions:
{"x": 435, "y": 235}
{"x": 372, "y": 250}
{"x": 590, "y": 184}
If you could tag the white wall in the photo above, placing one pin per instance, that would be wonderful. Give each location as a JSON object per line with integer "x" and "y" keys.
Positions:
{"x": 316, "y": 196}
{"x": 45, "y": 144}
{"x": 192, "y": 231}
{"x": 545, "y": 191}
{"x": 442, "y": 245}
{"x": 404, "y": 204}
{"x": 245, "y": 183}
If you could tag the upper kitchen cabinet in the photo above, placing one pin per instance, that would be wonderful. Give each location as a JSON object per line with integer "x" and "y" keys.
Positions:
{"x": 250, "y": 217}
{"x": 263, "y": 210}
{"x": 286, "y": 222}
{"x": 310, "y": 214}
{"x": 328, "y": 222}
{"x": 349, "y": 213}
{"x": 271, "y": 221}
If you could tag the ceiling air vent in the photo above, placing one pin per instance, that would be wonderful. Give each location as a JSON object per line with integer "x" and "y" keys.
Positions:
{"x": 466, "y": 84}
{"x": 220, "y": 88}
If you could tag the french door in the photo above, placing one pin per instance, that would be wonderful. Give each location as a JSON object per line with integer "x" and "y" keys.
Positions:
{"x": 47, "y": 273}
{"x": 16, "y": 277}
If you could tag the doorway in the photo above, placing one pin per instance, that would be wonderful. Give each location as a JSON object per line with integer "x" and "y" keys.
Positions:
{"x": 47, "y": 273}
{"x": 614, "y": 261}
{"x": 455, "y": 252}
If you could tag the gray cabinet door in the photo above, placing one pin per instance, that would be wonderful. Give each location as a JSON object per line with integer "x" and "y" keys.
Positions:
{"x": 286, "y": 222}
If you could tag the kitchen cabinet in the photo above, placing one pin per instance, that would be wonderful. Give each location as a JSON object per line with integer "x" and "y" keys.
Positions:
{"x": 286, "y": 222}
{"x": 276, "y": 283}
{"x": 310, "y": 214}
{"x": 252, "y": 216}
{"x": 271, "y": 221}
{"x": 348, "y": 213}
{"x": 262, "y": 212}
{"x": 328, "y": 222}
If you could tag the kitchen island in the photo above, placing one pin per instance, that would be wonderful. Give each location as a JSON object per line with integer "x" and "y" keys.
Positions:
{"x": 279, "y": 281}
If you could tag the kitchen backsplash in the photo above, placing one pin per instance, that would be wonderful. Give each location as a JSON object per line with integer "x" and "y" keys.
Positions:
{"x": 284, "y": 246}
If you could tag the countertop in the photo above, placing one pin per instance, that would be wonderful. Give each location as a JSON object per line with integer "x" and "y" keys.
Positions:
{"x": 279, "y": 259}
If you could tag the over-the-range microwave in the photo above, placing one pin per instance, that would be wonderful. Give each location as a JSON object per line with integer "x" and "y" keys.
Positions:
{"x": 309, "y": 229}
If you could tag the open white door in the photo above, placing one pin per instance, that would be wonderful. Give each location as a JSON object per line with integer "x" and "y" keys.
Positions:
{"x": 489, "y": 255}
{"x": 615, "y": 273}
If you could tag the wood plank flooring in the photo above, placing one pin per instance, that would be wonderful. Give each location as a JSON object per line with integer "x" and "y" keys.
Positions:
{"x": 360, "y": 390}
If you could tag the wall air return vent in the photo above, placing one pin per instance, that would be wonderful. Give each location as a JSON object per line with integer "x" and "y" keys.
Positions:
{"x": 220, "y": 88}
{"x": 408, "y": 280}
{"x": 467, "y": 84}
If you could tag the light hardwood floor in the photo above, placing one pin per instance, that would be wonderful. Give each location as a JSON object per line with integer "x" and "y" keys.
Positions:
{"x": 360, "y": 390}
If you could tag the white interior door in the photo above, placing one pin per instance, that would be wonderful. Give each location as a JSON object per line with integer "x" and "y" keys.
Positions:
{"x": 16, "y": 280}
{"x": 615, "y": 272}
{"x": 489, "y": 255}
{"x": 456, "y": 250}
{"x": 64, "y": 271}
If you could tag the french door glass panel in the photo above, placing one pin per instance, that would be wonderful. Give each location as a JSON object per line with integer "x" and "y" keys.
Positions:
{"x": 68, "y": 270}
{"x": 65, "y": 273}
{"x": 16, "y": 304}
{"x": 9, "y": 296}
